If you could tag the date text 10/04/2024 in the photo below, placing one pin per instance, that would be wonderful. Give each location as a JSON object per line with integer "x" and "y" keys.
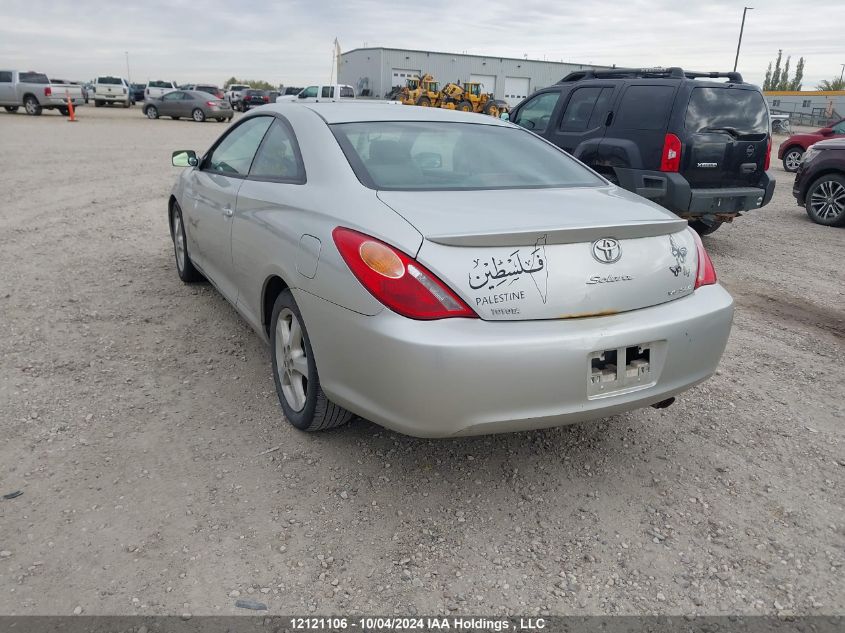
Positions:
{"x": 452, "y": 623}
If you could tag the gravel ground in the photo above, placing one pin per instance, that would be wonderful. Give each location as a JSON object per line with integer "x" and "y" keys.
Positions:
{"x": 140, "y": 421}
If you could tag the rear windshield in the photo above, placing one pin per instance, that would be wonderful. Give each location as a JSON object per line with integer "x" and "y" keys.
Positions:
{"x": 34, "y": 78}
{"x": 211, "y": 89}
{"x": 435, "y": 156}
{"x": 739, "y": 111}
{"x": 110, "y": 80}
{"x": 346, "y": 92}
{"x": 160, "y": 84}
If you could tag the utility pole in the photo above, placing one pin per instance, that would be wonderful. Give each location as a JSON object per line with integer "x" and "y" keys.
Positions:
{"x": 128, "y": 75}
{"x": 741, "y": 29}
{"x": 841, "y": 73}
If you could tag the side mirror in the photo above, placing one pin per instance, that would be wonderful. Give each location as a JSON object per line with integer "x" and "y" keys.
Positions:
{"x": 185, "y": 158}
{"x": 505, "y": 116}
{"x": 302, "y": 95}
{"x": 826, "y": 131}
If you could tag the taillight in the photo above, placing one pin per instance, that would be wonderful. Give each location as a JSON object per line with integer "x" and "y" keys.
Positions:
{"x": 48, "y": 91}
{"x": 706, "y": 274}
{"x": 670, "y": 159}
{"x": 397, "y": 280}
{"x": 211, "y": 103}
{"x": 768, "y": 162}
{"x": 266, "y": 99}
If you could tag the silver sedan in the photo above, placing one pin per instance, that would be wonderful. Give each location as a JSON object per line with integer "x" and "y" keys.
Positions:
{"x": 443, "y": 273}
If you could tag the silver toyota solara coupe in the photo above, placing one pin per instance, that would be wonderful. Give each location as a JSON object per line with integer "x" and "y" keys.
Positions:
{"x": 443, "y": 273}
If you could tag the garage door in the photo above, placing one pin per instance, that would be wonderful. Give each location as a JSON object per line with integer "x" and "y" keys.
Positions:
{"x": 488, "y": 82}
{"x": 400, "y": 75}
{"x": 516, "y": 89}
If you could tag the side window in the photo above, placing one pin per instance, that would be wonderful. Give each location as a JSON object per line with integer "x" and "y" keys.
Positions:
{"x": 535, "y": 114}
{"x": 839, "y": 128}
{"x": 172, "y": 96}
{"x": 310, "y": 91}
{"x": 327, "y": 92}
{"x": 234, "y": 154}
{"x": 645, "y": 108}
{"x": 5, "y": 77}
{"x": 579, "y": 110}
{"x": 601, "y": 109}
{"x": 278, "y": 157}
{"x": 346, "y": 92}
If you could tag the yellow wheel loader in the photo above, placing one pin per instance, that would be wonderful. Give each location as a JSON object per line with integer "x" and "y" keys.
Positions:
{"x": 467, "y": 97}
{"x": 424, "y": 91}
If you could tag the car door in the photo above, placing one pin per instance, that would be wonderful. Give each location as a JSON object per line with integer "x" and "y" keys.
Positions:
{"x": 169, "y": 104}
{"x": 309, "y": 94}
{"x": 7, "y": 88}
{"x": 267, "y": 219}
{"x": 211, "y": 193}
{"x": 187, "y": 104}
{"x": 538, "y": 112}
{"x": 582, "y": 124}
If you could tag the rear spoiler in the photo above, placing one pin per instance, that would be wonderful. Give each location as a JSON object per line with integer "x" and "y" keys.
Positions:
{"x": 674, "y": 72}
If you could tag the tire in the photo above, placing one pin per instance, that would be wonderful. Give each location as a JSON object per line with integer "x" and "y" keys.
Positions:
{"x": 64, "y": 111}
{"x": 702, "y": 228}
{"x": 11, "y": 109}
{"x": 198, "y": 115}
{"x": 220, "y": 120}
{"x": 465, "y": 106}
{"x": 304, "y": 404}
{"x": 32, "y": 106}
{"x": 792, "y": 159}
{"x": 825, "y": 200}
{"x": 424, "y": 102}
{"x": 151, "y": 112}
{"x": 127, "y": 104}
{"x": 98, "y": 104}
{"x": 491, "y": 108}
{"x": 175, "y": 118}
{"x": 184, "y": 266}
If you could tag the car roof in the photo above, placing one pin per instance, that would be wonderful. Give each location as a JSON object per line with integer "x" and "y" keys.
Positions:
{"x": 360, "y": 111}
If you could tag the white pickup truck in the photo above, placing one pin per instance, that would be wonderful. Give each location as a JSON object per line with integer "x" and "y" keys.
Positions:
{"x": 111, "y": 90}
{"x": 321, "y": 93}
{"x": 157, "y": 89}
{"x": 36, "y": 93}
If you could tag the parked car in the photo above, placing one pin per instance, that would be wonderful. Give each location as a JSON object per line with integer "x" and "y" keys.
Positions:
{"x": 793, "y": 148}
{"x": 209, "y": 88}
{"x": 35, "y": 93}
{"x": 321, "y": 93}
{"x": 234, "y": 91}
{"x": 193, "y": 104}
{"x": 699, "y": 148}
{"x": 489, "y": 281}
{"x": 251, "y": 99}
{"x": 111, "y": 90}
{"x": 820, "y": 182}
{"x": 158, "y": 88}
{"x": 138, "y": 92}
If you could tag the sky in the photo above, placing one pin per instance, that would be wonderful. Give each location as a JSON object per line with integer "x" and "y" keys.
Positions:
{"x": 290, "y": 41}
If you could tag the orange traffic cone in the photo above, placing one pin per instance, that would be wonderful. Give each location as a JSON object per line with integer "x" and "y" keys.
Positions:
{"x": 71, "y": 114}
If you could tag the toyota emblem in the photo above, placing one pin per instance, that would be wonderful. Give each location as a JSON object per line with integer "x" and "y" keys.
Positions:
{"x": 607, "y": 250}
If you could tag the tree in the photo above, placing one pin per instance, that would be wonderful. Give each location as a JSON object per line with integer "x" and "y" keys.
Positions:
{"x": 783, "y": 82}
{"x": 767, "y": 82}
{"x": 776, "y": 73}
{"x": 795, "y": 84}
{"x": 832, "y": 84}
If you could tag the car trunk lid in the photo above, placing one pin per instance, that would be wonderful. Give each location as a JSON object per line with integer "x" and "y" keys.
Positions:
{"x": 727, "y": 136}
{"x": 551, "y": 253}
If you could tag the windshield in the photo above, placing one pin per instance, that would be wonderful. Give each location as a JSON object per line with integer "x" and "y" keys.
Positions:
{"x": 741, "y": 112}
{"x": 34, "y": 78}
{"x": 109, "y": 80}
{"x": 405, "y": 155}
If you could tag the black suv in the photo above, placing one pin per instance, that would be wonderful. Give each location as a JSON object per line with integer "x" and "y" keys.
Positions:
{"x": 699, "y": 148}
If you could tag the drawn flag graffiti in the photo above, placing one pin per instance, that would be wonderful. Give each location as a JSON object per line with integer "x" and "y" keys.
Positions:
{"x": 508, "y": 269}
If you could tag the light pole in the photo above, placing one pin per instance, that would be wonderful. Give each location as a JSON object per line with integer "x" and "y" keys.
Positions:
{"x": 128, "y": 75}
{"x": 741, "y": 29}
{"x": 841, "y": 73}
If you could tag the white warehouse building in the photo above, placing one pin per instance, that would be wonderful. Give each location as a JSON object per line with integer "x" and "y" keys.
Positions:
{"x": 372, "y": 72}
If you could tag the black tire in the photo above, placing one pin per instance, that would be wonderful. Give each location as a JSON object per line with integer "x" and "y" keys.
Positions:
{"x": 424, "y": 101}
{"x": 151, "y": 112}
{"x": 198, "y": 115}
{"x": 64, "y": 111}
{"x": 792, "y": 158}
{"x": 127, "y": 104}
{"x": 11, "y": 108}
{"x": 702, "y": 228}
{"x": 318, "y": 412}
{"x": 98, "y": 104}
{"x": 184, "y": 266}
{"x": 828, "y": 209}
{"x": 464, "y": 106}
{"x": 32, "y": 106}
{"x": 175, "y": 118}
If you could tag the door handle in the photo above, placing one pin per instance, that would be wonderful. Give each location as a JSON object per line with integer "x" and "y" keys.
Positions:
{"x": 227, "y": 211}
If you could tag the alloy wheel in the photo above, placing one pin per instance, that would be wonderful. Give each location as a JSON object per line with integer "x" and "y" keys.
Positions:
{"x": 291, "y": 359}
{"x": 792, "y": 160}
{"x": 828, "y": 200}
{"x": 179, "y": 241}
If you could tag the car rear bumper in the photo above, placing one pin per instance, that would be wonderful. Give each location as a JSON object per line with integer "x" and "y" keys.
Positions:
{"x": 673, "y": 191}
{"x": 101, "y": 97}
{"x": 471, "y": 377}
{"x": 58, "y": 101}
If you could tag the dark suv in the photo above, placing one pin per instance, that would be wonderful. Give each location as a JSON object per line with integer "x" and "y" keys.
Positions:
{"x": 700, "y": 148}
{"x": 820, "y": 182}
